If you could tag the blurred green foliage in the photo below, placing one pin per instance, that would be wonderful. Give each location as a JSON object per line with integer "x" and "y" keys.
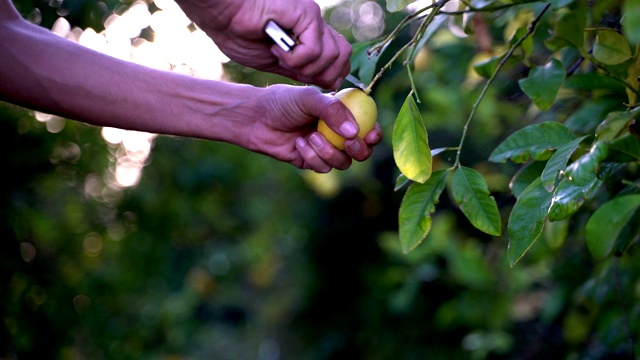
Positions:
{"x": 219, "y": 253}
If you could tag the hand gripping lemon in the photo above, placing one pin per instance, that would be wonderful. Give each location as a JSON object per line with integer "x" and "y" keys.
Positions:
{"x": 362, "y": 107}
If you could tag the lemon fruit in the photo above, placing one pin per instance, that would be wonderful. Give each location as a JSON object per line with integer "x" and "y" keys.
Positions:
{"x": 362, "y": 107}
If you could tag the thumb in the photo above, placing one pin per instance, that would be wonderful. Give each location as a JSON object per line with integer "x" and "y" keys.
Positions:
{"x": 333, "y": 112}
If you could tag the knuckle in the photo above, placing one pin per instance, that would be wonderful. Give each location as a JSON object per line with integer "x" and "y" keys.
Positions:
{"x": 331, "y": 55}
{"x": 348, "y": 51}
{"x": 310, "y": 92}
{"x": 314, "y": 8}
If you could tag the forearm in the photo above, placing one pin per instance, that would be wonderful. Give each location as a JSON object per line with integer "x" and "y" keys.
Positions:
{"x": 105, "y": 91}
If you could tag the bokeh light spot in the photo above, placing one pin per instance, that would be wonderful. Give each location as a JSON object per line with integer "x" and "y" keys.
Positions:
{"x": 92, "y": 244}
{"x": 28, "y": 251}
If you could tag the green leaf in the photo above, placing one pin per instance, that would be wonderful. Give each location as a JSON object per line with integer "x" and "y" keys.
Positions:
{"x": 487, "y": 67}
{"x": 467, "y": 265}
{"x": 402, "y": 180}
{"x": 570, "y": 196}
{"x": 361, "y": 62}
{"x": 624, "y": 149}
{"x": 414, "y": 216}
{"x": 527, "y": 44}
{"x": 611, "y": 48}
{"x": 558, "y": 162}
{"x": 570, "y": 27}
{"x": 608, "y": 222}
{"x": 632, "y": 188}
{"x": 631, "y": 20}
{"x": 398, "y": 5}
{"x": 410, "y": 143}
{"x": 556, "y": 43}
{"x": 633, "y": 74}
{"x": 534, "y": 141}
{"x": 525, "y": 176}
{"x": 628, "y": 235}
{"x": 586, "y": 118}
{"x": 543, "y": 83}
{"x": 615, "y": 123}
{"x": 593, "y": 81}
{"x": 556, "y": 233}
{"x": 472, "y": 195}
{"x": 526, "y": 221}
{"x": 580, "y": 182}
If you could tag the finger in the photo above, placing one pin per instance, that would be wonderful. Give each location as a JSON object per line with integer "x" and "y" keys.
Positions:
{"x": 285, "y": 68}
{"x": 311, "y": 158}
{"x": 325, "y": 60}
{"x": 309, "y": 29}
{"x": 323, "y": 69}
{"x": 358, "y": 149}
{"x": 328, "y": 152}
{"x": 331, "y": 110}
{"x": 307, "y": 24}
{"x": 340, "y": 119}
{"x": 321, "y": 56}
{"x": 280, "y": 67}
{"x": 328, "y": 68}
{"x": 336, "y": 65}
{"x": 374, "y": 137}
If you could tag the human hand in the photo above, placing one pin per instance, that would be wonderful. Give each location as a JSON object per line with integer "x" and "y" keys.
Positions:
{"x": 237, "y": 27}
{"x": 285, "y": 128}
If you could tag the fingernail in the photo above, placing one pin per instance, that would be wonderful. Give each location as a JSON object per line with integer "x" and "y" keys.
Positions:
{"x": 300, "y": 142}
{"x": 348, "y": 129}
{"x": 315, "y": 140}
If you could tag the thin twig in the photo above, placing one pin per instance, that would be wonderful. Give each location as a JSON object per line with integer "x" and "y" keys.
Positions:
{"x": 385, "y": 68}
{"x": 423, "y": 27}
{"x": 413, "y": 83}
{"x": 416, "y": 37}
{"x": 378, "y": 48}
{"x": 472, "y": 9}
{"x": 631, "y": 183}
{"x": 503, "y": 61}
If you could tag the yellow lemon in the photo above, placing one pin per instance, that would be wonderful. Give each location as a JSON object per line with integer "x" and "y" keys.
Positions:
{"x": 362, "y": 107}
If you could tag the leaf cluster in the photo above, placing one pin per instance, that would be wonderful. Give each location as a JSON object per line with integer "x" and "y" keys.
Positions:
{"x": 577, "y": 57}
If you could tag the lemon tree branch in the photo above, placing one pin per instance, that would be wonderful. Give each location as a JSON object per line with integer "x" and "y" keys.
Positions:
{"x": 472, "y": 9}
{"x": 503, "y": 61}
{"x": 393, "y": 34}
{"x": 411, "y": 44}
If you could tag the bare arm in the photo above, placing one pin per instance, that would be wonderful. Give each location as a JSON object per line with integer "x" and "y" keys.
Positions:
{"x": 45, "y": 72}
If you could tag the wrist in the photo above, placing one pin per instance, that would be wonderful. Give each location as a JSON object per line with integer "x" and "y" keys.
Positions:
{"x": 219, "y": 111}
